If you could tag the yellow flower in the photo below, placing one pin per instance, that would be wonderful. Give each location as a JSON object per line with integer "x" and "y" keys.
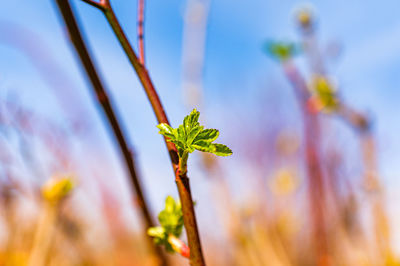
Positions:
{"x": 57, "y": 188}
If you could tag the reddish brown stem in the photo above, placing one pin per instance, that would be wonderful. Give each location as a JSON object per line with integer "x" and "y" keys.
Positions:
{"x": 104, "y": 101}
{"x": 140, "y": 30}
{"x": 316, "y": 185}
{"x": 362, "y": 125}
{"x": 189, "y": 219}
{"x": 316, "y": 182}
{"x": 100, "y": 4}
{"x": 144, "y": 79}
{"x": 357, "y": 120}
{"x": 196, "y": 255}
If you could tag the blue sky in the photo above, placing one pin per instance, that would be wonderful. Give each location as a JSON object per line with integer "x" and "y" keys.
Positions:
{"x": 235, "y": 69}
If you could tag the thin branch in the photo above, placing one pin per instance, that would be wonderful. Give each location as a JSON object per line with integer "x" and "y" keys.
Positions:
{"x": 356, "y": 119}
{"x": 140, "y": 30}
{"x": 104, "y": 101}
{"x": 362, "y": 125}
{"x": 44, "y": 235}
{"x": 189, "y": 217}
{"x": 189, "y": 220}
{"x": 316, "y": 180}
{"x": 99, "y": 5}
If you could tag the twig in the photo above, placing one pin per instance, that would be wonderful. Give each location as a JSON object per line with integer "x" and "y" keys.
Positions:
{"x": 140, "y": 30}
{"x": 196, "y": 255}
{"x": 316, "y": 181}
{"x": 100, "y": 4}
{"x": 357, "y": 120}
{"x": 104, "y": 102}
{"x": 189, "y": 219}
{"x": 362, "y": 125}
{"x": 43, "y": 236}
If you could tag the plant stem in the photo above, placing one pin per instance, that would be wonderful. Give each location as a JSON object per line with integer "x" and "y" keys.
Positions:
{"x": 189, "y": 219}
{"x": 143, "y": 76}
{"x": 316, "y": 181}
{"x": 182, "y": 181}
{"x": 357, "y": 120}
{"x": 104, "y": 101}
{"x": 44, "y": 235}
{"x": 140, "y": 30}
{"x": 362, "y": 125}
{"x": 183, "y": 162}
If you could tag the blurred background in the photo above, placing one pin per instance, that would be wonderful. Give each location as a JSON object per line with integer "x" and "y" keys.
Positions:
{"x": 305, "y": 94}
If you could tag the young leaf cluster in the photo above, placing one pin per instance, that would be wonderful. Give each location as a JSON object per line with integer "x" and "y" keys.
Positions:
{"x": 192, "y": 136}
{"x": 171, "y": 223}
{"x": 281, "y": 50}
{"x": 326, "y": 94}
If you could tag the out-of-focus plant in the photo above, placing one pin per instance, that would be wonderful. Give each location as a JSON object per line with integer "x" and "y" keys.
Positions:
{"x": 305, "y": 18}
{"x": 284, "y": 182}
{"x": 281, "y": 50}
{"x": 53, "y": 192}
{"x": 323, "y": 95}
{"x": 170, "y": 229}
{"x": 57, "y": 189}
{"x": 284, "y": 53}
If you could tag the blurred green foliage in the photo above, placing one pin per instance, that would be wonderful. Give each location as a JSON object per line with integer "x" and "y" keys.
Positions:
{"x": 281, "y": 50}
{"x": 171, "y": 223}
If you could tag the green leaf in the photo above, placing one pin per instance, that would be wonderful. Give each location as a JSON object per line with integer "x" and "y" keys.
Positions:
{"x": 221, "y": 150}
{"x": 203, "y": 146}
{"x": 181, "y": 134}
{"x": 157, "y": 231}
{"x": 323, "y": 89}
{"x": 171, "y": 218}
{"x": 180, "y": 147}
{"x": 163, "y": 218}
{"x": 208, "y": 135}
{"x": 167, "y": 131}
{"x": 191, "y": 120}
{"x": 193, "y": 134}
{"x": 281, "y": 50}
{"x": 169, "y": 204}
